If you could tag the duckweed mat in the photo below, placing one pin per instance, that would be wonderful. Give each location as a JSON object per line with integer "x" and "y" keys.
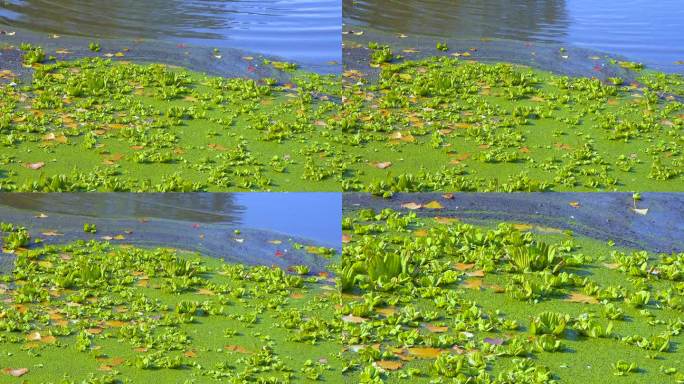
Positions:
{"x": 430, "y": 299}
{"x": 99, "y": 124}
{"x": 449, "y": 122}
{"x": 93, "y": 312}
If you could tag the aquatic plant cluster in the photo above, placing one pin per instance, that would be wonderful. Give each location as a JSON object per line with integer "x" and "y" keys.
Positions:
{"x": 92, "y": 312}
{"x": 450, "y": 123}
{"x": 431, "y": 299}
{"x": 99, "y": 124}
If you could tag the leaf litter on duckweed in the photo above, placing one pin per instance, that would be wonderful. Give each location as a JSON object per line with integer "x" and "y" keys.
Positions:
{"x": 496, "y": 303}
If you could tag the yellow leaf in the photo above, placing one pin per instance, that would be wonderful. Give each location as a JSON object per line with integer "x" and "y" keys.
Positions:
{"x": 433, "y": 205}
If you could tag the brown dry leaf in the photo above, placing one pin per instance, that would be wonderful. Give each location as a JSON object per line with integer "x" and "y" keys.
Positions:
{"x": 353, "y": 319}
{"x": 205, "y": 292}
{"x": 48, "y": 339}
{"x": 464, "y": 266}
{"x": 296, "y": 295}
{"x": 445, "y": 220}
{"x": 115, "y": 323}
{"x": 389, "y": 365}
{"x": 346, "y": 238}
{"x": 412, "y": 206}
{"x": 16, "y": 372}
{"x": 433, "y": 205}
{"x": 473, "y": 283}
{"x": 34, "y": 336}
{"x": 478, "y": 273}
{"x": 522, "y": 227}
{"x": 448, "y": 196}
{"x": 236, "y": 348}
{"x": 94, "y": 330}
{"x": 524, "y": 150}
{"x": 217, "y": 147}
{"x": 581, "y": 298}
{"x": 436, "y": 328}
{"x": 382, "y": 165}
{"x": 574, "y": 204}
{"x": 144, "y": 283}
{"x": 190, "y": 354}
{"x": 421, "y": 233}
{"x": 425, "y": 352}
{"x": 563, "y": 146}
{"x": 386, "y": 311}
{"x": 34, "y": 166}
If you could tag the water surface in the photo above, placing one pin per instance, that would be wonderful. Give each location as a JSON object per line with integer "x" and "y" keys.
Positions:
{"x": 314, "y": 216}
{"x": 640, "y": 30}
{"x": 299, "y": 30}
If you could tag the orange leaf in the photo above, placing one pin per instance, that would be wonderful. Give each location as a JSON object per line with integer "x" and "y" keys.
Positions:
{"x": 389, "y": 365}
{"x": 16, "y": 372}
{"x": 473, "y": 283}
{"x": 425, "y": 352}
{"x": 445, "y": 220}
{"x": 464, "y": 267}
{"x": 436, "y": 328}
{"x": 433, "y": 205}
{"x": 346, "y": 238}
{"x": 236, "y": 348}
{"x": 581, "y": 298}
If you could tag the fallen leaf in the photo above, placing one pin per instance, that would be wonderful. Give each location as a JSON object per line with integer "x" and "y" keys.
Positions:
{"x": 51, "y": 233}
{"x": 389, "y": 365}
{"x": 236, "y": 348}
{"x": 448, "y": 196}
{"x": 353, "y": 319}
{"x": 382, "y": 165}
{"x": 425, "y": 352}
{"x": 445, "y": 220}
{"x": 346, "y": 238}
{"x": 574, "y": 204}
{"x": 522, "y": 227}
{"x": 436, "y": 329}
{"x": 37, "y": 165}
{"x": 411, "y": 206}
{"x": 581, "y": 298}
{"x": 433, "y": 205}
{"x": 16, "y": 372}
{"x": 478, "y": 273}
{"x": 472, "y": 283}
{"x": 463, "y": 266}
{"x": 420, "y": 233}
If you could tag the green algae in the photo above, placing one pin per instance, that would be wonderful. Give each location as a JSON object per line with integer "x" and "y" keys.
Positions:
{"x": 503, "y": 303}
{"x": 93, "y": 312}
{"x": 450, "y": 123}
{"x": 101, "y": 125}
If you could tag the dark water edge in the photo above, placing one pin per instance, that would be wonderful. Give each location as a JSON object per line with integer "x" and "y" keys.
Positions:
{"x": 601, "y": 216}
{"x": 571, "y": 61}
{"x": 197, "y": 58}
{"x": 306, "y": 31}
{"x": 639, "y": 30}
{"x": 204, "y": 223}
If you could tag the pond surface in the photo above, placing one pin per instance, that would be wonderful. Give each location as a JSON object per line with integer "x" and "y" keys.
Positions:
{"x": 600, "y": 216}
{"x": 640, "y": 30}
{"x": 300, "y": 30}
{"x": 314, "y": 216}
